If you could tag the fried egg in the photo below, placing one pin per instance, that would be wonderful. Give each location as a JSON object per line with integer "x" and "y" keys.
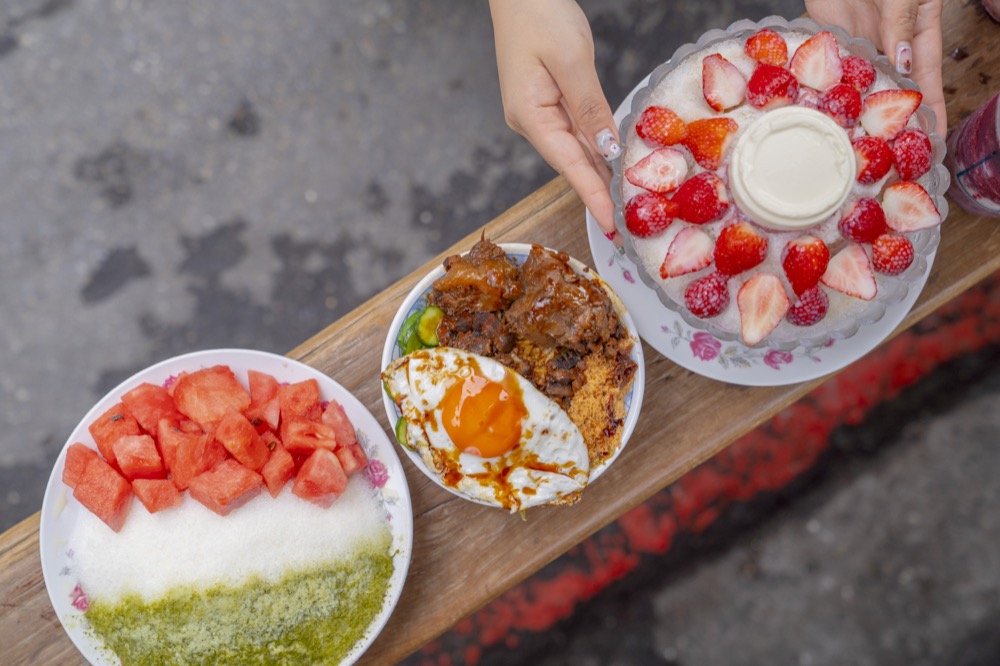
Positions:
{"x": 485, "y": 430}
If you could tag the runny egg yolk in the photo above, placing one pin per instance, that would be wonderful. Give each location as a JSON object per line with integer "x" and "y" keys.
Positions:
{"x": 483, "y": 417}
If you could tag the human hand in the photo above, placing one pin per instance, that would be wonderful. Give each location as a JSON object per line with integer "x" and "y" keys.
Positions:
{"x": 552, "y": 96}
{"x": 907, "y": 31}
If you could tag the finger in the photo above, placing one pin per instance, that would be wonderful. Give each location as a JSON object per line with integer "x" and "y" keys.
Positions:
{"x": 899, "y": 20}
{"x": 567, "y": 156}
{"x": 927, "y": 57}
{"x": 588, "y": 106}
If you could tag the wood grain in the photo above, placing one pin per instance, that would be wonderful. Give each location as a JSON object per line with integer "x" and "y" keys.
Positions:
{"x": 461, "y": 550}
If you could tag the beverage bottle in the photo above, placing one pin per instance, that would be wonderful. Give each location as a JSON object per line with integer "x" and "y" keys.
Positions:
{"x": 974, "y": 161}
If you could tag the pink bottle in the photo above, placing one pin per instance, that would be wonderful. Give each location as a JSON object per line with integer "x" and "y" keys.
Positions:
{"x": 974, "y": 161}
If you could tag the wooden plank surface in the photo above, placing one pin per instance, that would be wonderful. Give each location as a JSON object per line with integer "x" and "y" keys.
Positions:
{"x": 462, "y": 556}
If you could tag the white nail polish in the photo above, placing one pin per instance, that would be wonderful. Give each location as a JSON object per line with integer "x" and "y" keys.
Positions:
{"x": 608, "y": 145}
{"x": 904, "y": 58}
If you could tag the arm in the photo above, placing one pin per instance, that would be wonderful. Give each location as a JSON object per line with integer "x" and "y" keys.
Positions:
{"x": 552, "y": 96}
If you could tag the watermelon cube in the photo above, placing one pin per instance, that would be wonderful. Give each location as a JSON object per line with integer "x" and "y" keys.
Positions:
{"x": 149, "y": 403}
{"x": 105, "y": 493}
{"x": 206, "y": 395}
{"x": 194, "y": 456}
{"x": 321, "y": 479}
{"x": 264, "y": 416}
{"x": 109, "y": 426}
{"x": 240, "y": 438}
{"x": 335, "y": 416}
{"x": 77, "y": 457}
{"x": 169, "y": 436}
{"x": 263, "y": 387}
{"x": 302, "y": 435}
{"x": 278, "y": 470}
{"x": 157, "y": 494}
{"x": 299, "y": 399}
{"x": 352, "y": 458}
{"x": 226, "y": 487}
{"x": 138, "y": 458}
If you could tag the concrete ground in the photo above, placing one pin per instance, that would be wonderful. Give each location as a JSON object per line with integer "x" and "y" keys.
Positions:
{"x": 185, "y": 175}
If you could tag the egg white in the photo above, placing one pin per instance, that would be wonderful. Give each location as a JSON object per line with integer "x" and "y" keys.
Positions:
{"x": 549, "y": 462}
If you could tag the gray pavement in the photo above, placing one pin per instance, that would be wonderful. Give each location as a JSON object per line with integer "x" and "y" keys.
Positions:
{"x": 185, "y": 175}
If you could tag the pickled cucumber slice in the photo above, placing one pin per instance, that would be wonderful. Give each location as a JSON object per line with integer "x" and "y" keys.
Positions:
{"x": 428, "y": 324}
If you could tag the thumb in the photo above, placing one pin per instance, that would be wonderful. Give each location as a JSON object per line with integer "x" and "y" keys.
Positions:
{"x": 899, "y": 19}
{"x": 590, "y": 111}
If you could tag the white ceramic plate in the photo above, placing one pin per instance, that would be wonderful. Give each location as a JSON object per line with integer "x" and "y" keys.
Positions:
{"x": 60, "y": 510}
{"x": 417, "y": 300}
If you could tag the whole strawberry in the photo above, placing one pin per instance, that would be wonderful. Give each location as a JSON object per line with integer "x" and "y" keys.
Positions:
{"x": 864, "y": 222}
{"x": 858, "y": 72}
{"x": 701, "y": 198}
{"x": 805, "y": 260}
{"x": 911, "y": 153}
{"x": 649, "y": 214}
{"x": 659, "y": 126}
{"x": 707, "y": 296}
{"x": 771, "y": 87}
{"x": 892, "y": 254}
{"x": 842, "y": 102}
{"x": 768, "y": 47}
{"x": 810, "y": 308}
{"x": 874, "y": 157}
{"x": 739, "y": 248}
{"x": 708, "y": 139}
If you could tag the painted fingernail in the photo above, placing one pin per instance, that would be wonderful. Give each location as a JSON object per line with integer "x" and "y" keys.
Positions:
{"x": 904, "y": 58}
{"x": 610, "y": 235}
{"x": 608, "y": 144}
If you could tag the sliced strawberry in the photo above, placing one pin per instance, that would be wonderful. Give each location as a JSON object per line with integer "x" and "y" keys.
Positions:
{"x": 702, "y": 198}
{"x": 850, "y": 272}
{"x": 762, "y": 303}
{"x": 708, "y": 140}
{"x": 816, "y": 63}
{"x": 649, "y": 214}
{"x": 864, "y": 222}
{"x": 805, "y": 260}
{"x": 884, "y": 114}
{"x": 858, "y": 72}
{"x": 911, "y": 153}
{"x": 739, "y": 248}
{"x": 810, "y": 308}
{"x": 768, "y": 47}
{"x": 659, "y": 126}
{"x": 842, "y": 102}
{"x": 874, "y": 159}
{"x": 908, "y": 207}
{"x": 660, "y": 171}
{"x": 707, "y": 296}
{"x": 690, "y": 251}
{"x": 771, "y": 87}
{"x": 892, "y": 254}
{"x": 807, "y": 97}
{"x": 721, "y": 83}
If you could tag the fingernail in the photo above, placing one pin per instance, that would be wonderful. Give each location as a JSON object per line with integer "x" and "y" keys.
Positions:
{"x": 608, "y": 144}
{"x": 610, "y": 235}
{"x": 904, "y": 58}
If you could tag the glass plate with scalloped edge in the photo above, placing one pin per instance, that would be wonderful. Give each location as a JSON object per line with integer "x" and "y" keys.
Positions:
{"x": 60, "y": 511}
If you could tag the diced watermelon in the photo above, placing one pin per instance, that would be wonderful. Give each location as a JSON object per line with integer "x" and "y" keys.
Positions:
{"x": 352, "y": 458}
{"x": 299, "y": 399}
{"x": 321, "y": 478}
{"x": 149, "y": 403}
{"x": 263, "y": 387}
{"x": 105, "y": 493}
{"x": 241, "y": 440}
{"x": 169, "y": 436}
{"x": 77, "y": 457}
{"x": 157, "y": 494}
{"x": 109, "y": 426}
{"x": 302, "y": 435}
{"x": 207, "y": 394}
{"x": 265, "y": 416}
{"x": 138, "y": 458}
{"x": 195, "y": 456}
{"x": 226, "y": 486}
{"x": 278, "y": 469}
{"x": 335, "y": 416}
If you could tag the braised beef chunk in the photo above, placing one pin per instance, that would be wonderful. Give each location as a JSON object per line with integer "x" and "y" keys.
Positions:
{"x": 482, "y": 333}
{"x": 484, "y": 280}
{"x": 558, "y": 307}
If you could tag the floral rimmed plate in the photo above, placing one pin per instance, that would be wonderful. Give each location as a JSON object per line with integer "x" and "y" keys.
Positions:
{"x": 416, "y": 300}
{"x": 60, "y": 511}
